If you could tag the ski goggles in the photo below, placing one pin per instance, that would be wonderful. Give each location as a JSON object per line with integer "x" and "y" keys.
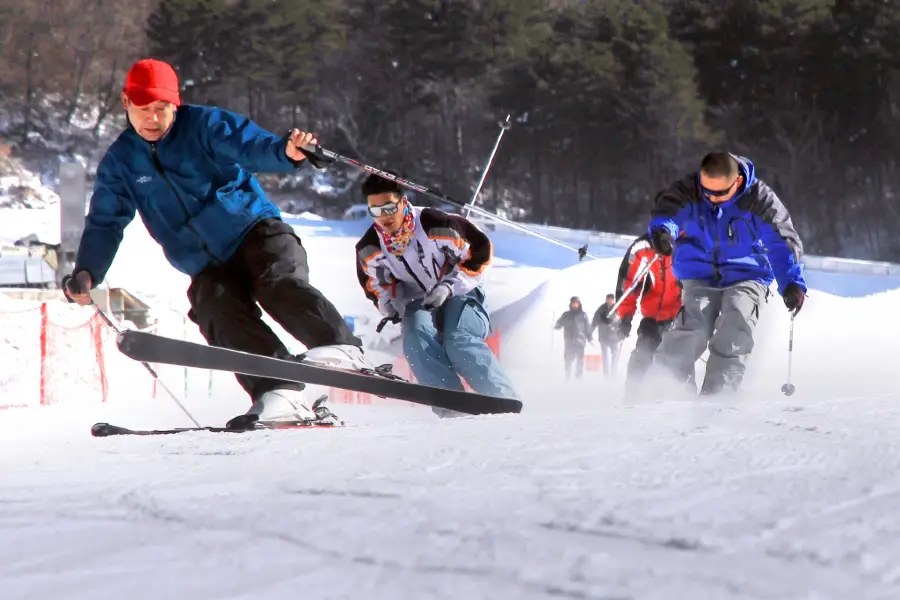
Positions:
{"x": 388, "y": 209}
{"x": 717, "y": 193}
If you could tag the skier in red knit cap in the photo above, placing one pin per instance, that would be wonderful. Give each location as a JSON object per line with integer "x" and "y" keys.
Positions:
{"x": 189, "y": 172}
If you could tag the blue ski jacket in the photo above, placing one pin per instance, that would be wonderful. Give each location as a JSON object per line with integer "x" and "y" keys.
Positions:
{"x": 193, "y": 189}
{"x": 748, "y": 238}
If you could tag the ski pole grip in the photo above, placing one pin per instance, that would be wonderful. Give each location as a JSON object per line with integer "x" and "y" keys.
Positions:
{"x": 385, "y": 321}
{"x": 316, "y": 156}
{"x": 310, "y": 151}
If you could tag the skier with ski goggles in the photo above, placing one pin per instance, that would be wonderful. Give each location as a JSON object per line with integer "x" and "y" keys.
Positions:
{"x": 423, "y": 268}
{"x": 730, "y": 237}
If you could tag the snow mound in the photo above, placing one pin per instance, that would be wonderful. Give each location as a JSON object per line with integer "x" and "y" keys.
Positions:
{"x": 526, "y": 325}
{"x": 305, "y": 215}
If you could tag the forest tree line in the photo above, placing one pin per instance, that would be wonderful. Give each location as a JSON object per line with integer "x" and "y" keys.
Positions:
{"x": 609, "y": 99}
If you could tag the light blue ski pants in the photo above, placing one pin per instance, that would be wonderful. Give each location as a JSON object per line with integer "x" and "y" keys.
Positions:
{"x": 448, "y": 343}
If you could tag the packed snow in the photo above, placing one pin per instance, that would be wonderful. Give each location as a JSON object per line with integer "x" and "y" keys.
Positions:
{"x": 585, "y": 494}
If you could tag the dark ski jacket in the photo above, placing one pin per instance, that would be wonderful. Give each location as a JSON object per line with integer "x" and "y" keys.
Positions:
{"x": 576, "y": 327}
{"x": 194, "y": 189}
{"x": 602, "y": 322}
{"x": 749, "y": 238}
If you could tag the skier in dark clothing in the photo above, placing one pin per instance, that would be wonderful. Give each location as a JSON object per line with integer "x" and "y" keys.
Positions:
{"x": 607, "y": 335}
{"x": 576, "y": 334}
{"x": 730, "y": 237}
{"x": 187, "y": 170}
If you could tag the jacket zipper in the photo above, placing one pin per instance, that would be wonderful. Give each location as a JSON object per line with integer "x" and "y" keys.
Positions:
{"x": 187, "y": 215}
{"x": 410, "y": 271}
{"x": 716, "y": 276}
{"x": 662, "y": 294}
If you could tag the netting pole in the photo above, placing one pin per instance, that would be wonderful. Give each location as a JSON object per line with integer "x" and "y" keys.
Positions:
{"x": 155, "y": 329}
{"x": 45, "y": 374}
{"x": 184, "y": 337}
{"x": 97, "y": 335}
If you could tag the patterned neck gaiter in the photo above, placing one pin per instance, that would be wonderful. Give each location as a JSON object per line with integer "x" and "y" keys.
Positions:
{"x": 396, "y": 242}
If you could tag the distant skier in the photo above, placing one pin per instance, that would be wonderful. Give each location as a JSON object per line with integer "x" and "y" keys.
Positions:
{"x": 188, "y": 171}
{"x": 576, "y": 334}
{"x": 729, "y": 237}
{"x": 659, "y": 296}
{"x": 423, "y": 268}
{"x": 604, "y": 324}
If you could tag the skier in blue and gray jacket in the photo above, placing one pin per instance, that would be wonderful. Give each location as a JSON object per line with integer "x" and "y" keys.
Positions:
{"x": 730, "y": 237}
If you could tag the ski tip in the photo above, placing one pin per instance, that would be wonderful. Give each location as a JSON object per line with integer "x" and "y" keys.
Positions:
{"x": 125, "y": 341}
{"x": 105, "y": 429}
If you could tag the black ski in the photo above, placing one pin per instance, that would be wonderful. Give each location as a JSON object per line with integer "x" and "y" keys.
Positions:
{"x": 147, "y": 347}
{"x": 107, "y": 430}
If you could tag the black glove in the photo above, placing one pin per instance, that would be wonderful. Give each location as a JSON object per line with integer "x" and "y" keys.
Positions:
{"x": 314, "y": 157}
{"x": 77, "y": 286}
{"x": 319, "y": 161}
{"x": 661, "y": 242}
{"x": 391, "y": 318}
{"x": 625, "y": 328}
{"x": 793, "y": 297}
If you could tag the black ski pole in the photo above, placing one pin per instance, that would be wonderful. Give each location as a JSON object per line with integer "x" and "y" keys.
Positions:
{"x": 147, "y": 366}
{"x": 324, "y": 154}
{"x": 788, "y": 388}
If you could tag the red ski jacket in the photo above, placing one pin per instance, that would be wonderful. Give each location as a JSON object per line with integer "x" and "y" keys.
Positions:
{"x": 660, "y": 294}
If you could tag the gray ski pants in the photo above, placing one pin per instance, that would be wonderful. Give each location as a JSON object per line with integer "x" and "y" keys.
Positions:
{"x": 724, "y": 319}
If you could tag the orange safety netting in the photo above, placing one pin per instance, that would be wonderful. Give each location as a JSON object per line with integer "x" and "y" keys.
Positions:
{"x": 51, "y": 352}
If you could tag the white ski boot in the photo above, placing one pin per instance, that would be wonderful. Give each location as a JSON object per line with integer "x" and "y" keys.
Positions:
{"x": 340, "y": 356}
{"x": 285, "y": 407}
{"x": 282, "y": 405}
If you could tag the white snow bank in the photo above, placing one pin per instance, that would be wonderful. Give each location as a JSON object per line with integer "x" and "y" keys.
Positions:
{"x": 306, "y": 215}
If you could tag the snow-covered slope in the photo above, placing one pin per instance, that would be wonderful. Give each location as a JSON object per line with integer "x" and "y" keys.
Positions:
{"x": 582, "y": 495}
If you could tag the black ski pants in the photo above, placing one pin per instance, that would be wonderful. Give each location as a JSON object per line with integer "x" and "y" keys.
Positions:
{"x": 269, "y": 268}
{"x": 649, "y": 336}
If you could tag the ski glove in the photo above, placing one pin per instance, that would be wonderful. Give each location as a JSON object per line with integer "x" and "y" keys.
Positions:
{"x": 793, "y": 297}
{"x": 318, "y": 161}
{"x": 77, "y": 287}
{"x": 393, "y": 317}
{"x": 436, "y": 297}
{"x": 661, "y": 242}
{"x": 624, "y": 328}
